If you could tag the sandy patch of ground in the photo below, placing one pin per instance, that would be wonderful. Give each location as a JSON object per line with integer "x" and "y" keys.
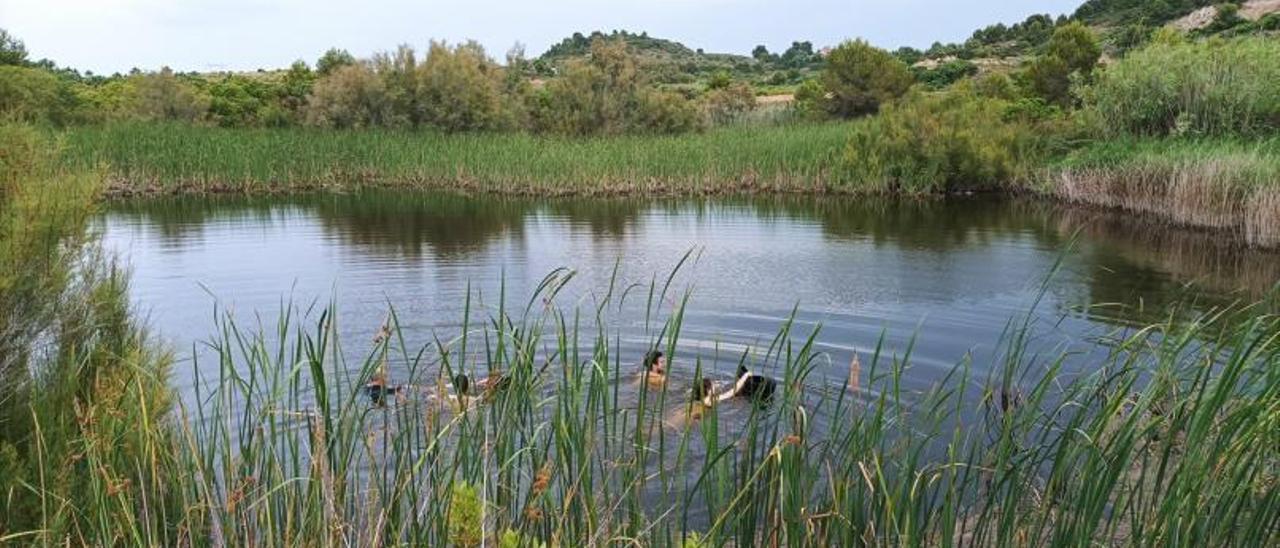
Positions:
{"x": 1256, "y": 9}
{"x": 775, "y": 99}
{"x": 1252, "y": 10}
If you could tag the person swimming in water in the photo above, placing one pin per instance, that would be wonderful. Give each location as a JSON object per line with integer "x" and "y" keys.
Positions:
{"x": 704, "y": 392}
{"x": 380, "y": 391}
{"x": 752, "y": 386}
{"x": 486, "y": 387}
{"x": 655, "y": 369}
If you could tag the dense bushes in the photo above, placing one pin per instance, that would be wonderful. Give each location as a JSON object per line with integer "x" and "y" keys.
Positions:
{"x": 1215, "y": 87}
{"x": 956, "y": 140}
{"x": 607, "y": 94}
{"x": 451, "y": 88}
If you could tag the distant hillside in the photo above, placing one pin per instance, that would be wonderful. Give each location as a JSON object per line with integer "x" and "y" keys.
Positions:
{"x": 672, "y": 63}
{"x": 1148, "y": 12}
{"x": 1122, "y": 25}
{"x": 579, "y": 44}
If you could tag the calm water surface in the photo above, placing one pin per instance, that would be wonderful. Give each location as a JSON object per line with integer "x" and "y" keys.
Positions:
{"x": 949, "y": 274}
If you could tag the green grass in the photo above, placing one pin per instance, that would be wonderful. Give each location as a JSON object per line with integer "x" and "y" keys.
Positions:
{"x": 179, "y": 158}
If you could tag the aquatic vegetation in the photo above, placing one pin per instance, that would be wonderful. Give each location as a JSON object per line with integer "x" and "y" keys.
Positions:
{"x": 148, "y": 158}
{"x": 1222, "y": 184}
{"x": 1173, "y": 435}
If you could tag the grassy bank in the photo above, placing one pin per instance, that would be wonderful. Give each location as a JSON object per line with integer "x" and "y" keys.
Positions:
{"x": 1224, "y": 184}
{"x": 146, "y": 159}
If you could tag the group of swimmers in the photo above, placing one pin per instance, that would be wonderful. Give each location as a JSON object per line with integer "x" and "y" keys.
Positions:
{"x": 747, "y": 385}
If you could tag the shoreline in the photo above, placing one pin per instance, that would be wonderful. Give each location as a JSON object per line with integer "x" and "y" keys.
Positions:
{"x": 1220, "y": 185}
{"x": 1233, "y": 232}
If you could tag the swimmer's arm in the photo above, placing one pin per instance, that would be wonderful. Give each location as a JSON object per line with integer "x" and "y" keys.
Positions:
{"x": 742, "y": 382}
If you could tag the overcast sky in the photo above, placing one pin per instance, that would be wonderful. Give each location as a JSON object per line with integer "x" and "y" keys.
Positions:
{"x": 115, "y": 35}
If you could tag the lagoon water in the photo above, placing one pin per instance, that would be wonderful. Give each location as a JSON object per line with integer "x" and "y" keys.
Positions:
{"x": 940, "y": 277}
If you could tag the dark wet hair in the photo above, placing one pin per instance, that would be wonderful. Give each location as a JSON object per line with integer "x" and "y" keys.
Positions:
{"x": 461, "y": 383}
{"x": 651, "y": 358}
{"x": 701, "y": 389}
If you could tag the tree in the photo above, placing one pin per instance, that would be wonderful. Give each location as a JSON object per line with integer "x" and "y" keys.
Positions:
{"x": 1072, "y": 50}
{"x": 351, "y": 96}
{"x": 1050, "y": 78}
{"x": 333, "y": 60}
{"x": 27, "y": 93}
{"x": 1076, "y": 45}
{"x": 909, "y": 55}
{"x": 295, "y": 88}
{"x": 399, "y": 73}
{"x": 859, "y": 77}
{"x": 12, "y": 50}
{"x": 163, "y": 96}
{"x": 461, "y": 88}
{"x": 760, "y": 53}
{"x": 798, "y": 55}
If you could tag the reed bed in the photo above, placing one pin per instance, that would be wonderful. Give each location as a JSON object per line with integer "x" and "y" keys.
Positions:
{"x": 1213, "y": 184}
{"x": 159, "y": 158}
{"x": 1172, "y": 439}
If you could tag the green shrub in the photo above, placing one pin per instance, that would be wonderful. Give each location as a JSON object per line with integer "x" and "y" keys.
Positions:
{"x": 728, "y": 103}
{"x": 664, "y": 112}
{"x": 351, "y": 96}
{"x": 995, "y": 85}
{"x": 466, "y": 512}
{"x": 946, "y": 74}
{"x": 1215, "y": 87}
{"x": 945, "y": 142}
